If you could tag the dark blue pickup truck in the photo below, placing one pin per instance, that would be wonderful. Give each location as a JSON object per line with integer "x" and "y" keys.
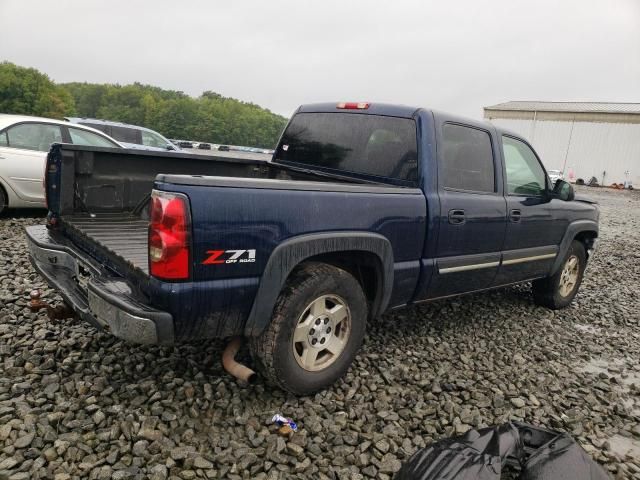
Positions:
{"x": 363, "y": 208}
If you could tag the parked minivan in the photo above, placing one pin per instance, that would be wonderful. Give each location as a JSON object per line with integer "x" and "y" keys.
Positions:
{"x": 131, "y": 136}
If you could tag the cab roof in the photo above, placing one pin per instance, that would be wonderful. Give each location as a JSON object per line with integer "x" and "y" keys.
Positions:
{"x": 373, "y": 108}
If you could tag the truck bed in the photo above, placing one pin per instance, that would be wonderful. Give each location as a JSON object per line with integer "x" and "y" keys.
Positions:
{"x": 122, "y": 236}
{"x": 100, "y": 195}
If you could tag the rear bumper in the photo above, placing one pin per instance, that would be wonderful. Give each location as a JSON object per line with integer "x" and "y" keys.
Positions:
{"x": 107, "y": 302}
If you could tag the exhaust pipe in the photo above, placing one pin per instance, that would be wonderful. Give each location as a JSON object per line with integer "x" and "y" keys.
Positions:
{"x": 233, "y": 367}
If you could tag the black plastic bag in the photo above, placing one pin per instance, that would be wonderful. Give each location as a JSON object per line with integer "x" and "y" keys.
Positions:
{"x": 532, "y": 453}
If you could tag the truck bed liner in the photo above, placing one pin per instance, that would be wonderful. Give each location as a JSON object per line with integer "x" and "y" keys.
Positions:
{"x": 122, "y": 235}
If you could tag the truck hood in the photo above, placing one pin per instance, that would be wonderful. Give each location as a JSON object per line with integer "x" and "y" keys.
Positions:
{"x": 582, "y": 198}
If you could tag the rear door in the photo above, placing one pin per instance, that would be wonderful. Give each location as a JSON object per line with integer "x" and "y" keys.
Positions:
{"x": 23, "y": 151}
{"x": 534, "y": 226}
{"x": 472, "y": 209}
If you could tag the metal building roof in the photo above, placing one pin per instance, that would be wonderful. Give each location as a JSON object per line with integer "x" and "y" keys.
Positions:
{"x": 572, "y": 107}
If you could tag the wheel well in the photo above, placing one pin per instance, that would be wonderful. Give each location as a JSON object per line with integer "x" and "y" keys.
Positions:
{"x": 365, "y": 267}
{"x": 587, "y": 238}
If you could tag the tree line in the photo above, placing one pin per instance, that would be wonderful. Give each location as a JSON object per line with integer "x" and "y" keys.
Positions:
{"x": 207, "y": 118}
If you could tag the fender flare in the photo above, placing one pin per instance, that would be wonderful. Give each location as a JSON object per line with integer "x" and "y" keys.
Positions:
{"x": 290, "y": 253}
{"x": 573, "y": 229}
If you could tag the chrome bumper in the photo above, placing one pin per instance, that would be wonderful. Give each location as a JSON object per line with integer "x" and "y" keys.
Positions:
{"x": 107, "y": 302}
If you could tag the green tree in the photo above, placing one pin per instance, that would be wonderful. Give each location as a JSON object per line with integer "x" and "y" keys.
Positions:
{"x": 29, "y": 92}
{"x": 208, "y": 118}
{"x": 88, "y": 97}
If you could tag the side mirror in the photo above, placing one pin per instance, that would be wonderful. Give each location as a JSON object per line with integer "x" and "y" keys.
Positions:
{"x": 170, "y": 147}
{"x": 563, "y": 191}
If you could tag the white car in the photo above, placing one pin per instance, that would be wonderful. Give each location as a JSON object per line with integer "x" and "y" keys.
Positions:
{"x": 555, "y": 175}
{"x": 24, "y": 143}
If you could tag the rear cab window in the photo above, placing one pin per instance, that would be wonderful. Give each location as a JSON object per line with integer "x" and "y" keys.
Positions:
{"x": 370, "y": 145}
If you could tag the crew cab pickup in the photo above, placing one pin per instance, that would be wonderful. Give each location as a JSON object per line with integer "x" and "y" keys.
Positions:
{"x": 363, "y": 208}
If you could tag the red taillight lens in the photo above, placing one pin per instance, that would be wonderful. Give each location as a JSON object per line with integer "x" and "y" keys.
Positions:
{"x": 169, "y": 236}
{"x": 353, "y": 105}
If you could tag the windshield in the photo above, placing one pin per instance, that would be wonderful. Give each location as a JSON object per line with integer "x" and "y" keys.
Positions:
{"x": 367, "y": 144}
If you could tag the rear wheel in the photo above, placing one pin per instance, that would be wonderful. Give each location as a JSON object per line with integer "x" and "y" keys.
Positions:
{"x": 559, "y": 290}
{"x": 316, "y": 330}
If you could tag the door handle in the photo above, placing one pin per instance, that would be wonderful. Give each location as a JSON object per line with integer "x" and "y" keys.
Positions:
{"x": 515, "y": 215}
{"x": 456, "y": 217}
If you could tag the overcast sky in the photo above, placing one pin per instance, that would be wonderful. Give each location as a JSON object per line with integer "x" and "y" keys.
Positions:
{"x": 456, "y": 56}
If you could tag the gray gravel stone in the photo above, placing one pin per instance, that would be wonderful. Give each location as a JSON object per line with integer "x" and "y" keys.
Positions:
{"x": 8, "y": 463}
{"x": 76, "y": 403}
{"x": 202, "y": 464}
{"x": 158, "y": 472}
{"x": 24, "y": 441}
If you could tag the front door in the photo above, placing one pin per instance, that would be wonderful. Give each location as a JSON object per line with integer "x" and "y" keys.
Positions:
{"x": 472, "y": 211}
{"x": 534, "y": 230}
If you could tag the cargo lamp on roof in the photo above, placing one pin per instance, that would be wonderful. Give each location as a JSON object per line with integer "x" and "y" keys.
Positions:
{"x": 353, "y": 105}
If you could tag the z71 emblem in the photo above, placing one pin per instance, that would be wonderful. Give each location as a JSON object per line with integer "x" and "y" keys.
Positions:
{"x": 229, "y": 256}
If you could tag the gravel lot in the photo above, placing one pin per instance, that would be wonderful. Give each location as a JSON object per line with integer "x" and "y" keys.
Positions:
{"x": 75, "y": 403}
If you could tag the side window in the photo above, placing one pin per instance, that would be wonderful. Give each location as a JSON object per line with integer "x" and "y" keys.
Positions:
{"x": 150, "y": 139}
{"x": 82, "y": 137}
{"x": 127, "y": 135}
{"x": 3, "y": 139}
{"x": 34, "y": 136}
{"x": 525, "y": 175}
{"x": 467, "y": 159}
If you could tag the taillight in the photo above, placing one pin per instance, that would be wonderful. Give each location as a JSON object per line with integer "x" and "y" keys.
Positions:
{"x": 169, "y": 236}
{"x": 353, "y": 105}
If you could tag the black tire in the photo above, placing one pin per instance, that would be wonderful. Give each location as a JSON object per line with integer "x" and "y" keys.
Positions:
{"x": 274, "y": 352}
{"x": 548, "y": 292}
{"x": 4, "y": 201}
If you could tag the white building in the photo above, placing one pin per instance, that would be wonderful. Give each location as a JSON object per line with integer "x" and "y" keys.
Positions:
{"x": 583, "y": 139}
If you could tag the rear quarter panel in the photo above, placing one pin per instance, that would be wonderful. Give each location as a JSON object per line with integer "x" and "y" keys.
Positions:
{"x": 259, "y": 219}
{"x": 255, "y": 219}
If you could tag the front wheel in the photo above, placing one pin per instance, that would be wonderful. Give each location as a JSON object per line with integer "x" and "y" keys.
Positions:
{"x": 559, "y": 290}
{"x": 317, "y": 328}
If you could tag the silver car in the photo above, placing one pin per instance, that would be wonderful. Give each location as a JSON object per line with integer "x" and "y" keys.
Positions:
{"x": 24, "y": 143}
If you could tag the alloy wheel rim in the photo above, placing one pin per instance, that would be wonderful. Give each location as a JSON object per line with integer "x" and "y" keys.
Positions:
{"x": 569, "y": 275}
{"x": 321, "y": 333}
